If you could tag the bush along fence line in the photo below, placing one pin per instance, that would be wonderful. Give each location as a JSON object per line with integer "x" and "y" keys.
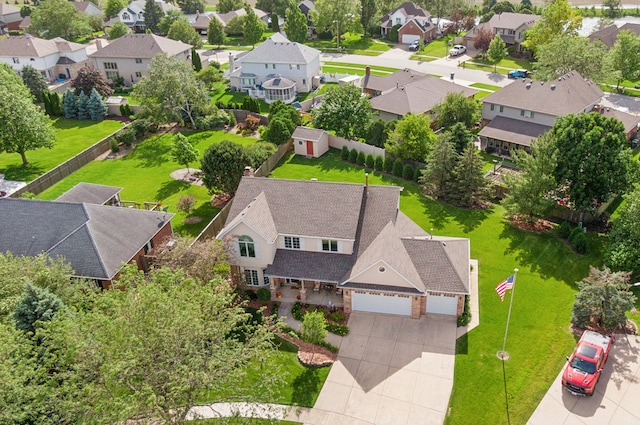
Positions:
{"x": 407, "y": 170}
{"x": 213, "y": 228}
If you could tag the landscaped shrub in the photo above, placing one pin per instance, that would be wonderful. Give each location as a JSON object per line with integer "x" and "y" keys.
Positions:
{"x": 369, "y": 161}
{"x": 337, "y": 316}
{"x": 296, "y": 311}
{"x": 264, "y": 294}
{"x": 251, "y": 123}
{"x": 578, "y": 240}
{"x": 378, "y": 163}
{"x": 361, "y": 158}
{"x": 141, "y": 127}
{"x": 397, "y": 167}
{"x": 407, "y": 172}
{"x": 115, "y": 147}
{"x": 126, "y": 136}
{"x": 465, "y": 317}
{"x": 251, "y": 295}
{"x": 274, "y": 309}
{"x": 344, "y": 154}
{"x": 186, "y": 204}
{"x": 328, "y": 346}
{"x": 334, "y": 328}
{"x": 388, "y": 164}
{"x": 125, "y": 110}
{"x": 564, "y": 230}
{"x": 211, "y": 122}
{"x": 353, "y": 155}
{"x": 417, "y": 174}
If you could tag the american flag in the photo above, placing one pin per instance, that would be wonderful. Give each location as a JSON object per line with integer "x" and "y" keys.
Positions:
{"x": 505, "y": 285}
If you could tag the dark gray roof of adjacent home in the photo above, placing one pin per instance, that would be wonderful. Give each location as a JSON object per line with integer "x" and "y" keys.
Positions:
{"x": 442, "y": 263}
{"x": 609, "y": 34}
{"x": 419, "y": 96}
{"x": 568, "y": 94}
{"x": 280, "y": 51}
{"x": 306, "y": 265}
{"x": 307, "y": 133}
{"x": 514, "y": 131}
{"x": 304, "y": 208}
{"x": 629, "y": 121}
{"x": 94, "y": 239}
{"x": 89, "y": 193}
{"x": 388, "y": 82}
{"x": 143, "y": 46}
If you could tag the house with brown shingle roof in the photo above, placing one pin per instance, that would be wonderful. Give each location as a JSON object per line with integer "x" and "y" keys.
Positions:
{"x": 609, "y": 35}
{"x": 408, "y": 92}
{"x": 350, "y": 240}
{"x": 510, "y": 26}
{"x": 9, "y": 17}
{"x": 129, "y": 56}
{"x": 415, "y": 23}
{"x": 87, "y": 7}
{"x": 51, "y": 57}
{"x": 520, "y": 112}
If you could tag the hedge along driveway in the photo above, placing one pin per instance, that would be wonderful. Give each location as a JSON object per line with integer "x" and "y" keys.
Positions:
{"x": 144, "y": 176}
{"x": 539, "y": 336}
{"x": 72, "y": 137}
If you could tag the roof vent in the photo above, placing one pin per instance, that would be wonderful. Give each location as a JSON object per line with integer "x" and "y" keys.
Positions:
{"x": 528, "y": 86}
{"x": 542, "y": 83}
{"x": 553, "y": 86}
{"x": 313, "y": 179}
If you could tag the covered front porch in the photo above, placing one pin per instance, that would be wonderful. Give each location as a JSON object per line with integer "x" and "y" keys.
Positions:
{"x": 307, "y": 292}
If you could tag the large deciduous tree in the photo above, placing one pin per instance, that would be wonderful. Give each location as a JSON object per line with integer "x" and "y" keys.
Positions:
{"x": 24, "y": 126}
{"x": 567, "y": 53}
{"x": 530, "y": 192}
{"x": 295, "y": 24}
{"x": 593, "y": 160}
{"x": 222, "y": 166}
{"x": 368, "y": 9}
{"x": 215, "y": 33}
{"x": 558, "y": 17}
{"x": 412, "y": 138}
{"x": 152, "y": 15}
{"x": 181, "y": 30}
{"x": 34, "y": 81}
{"x": 456, "y": 107}
{"x": 603, "y": 299}
{"x": 169, "y": 18}
{"x": 117, "y": 30}
{"x": 624, "y": 239}
{"x": 344, "y": 110}
{"x": 483, "y": 39}
{"x": 624, "y": 58}
{"x": 336, "y": 16}
{"x": 90, "y": 78}
{"x": 497, "y": 51}
{"x": 59, "y": 18}
{"x": 171, "y": 91}
{"x": 252, "y": 27}
{"x": 225, "y": 6}
{"x": 113, "y": 7}
{"x": 191, "y": 6}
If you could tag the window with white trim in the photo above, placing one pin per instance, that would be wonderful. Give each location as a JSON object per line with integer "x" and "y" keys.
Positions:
{"x": 246, "y": 246}
{"x": 112, "y": 75}
{"x": 138, "y": 74}
{"x": 16, "y": 60}
{"x": 251, "y": 277}
{"x": 138, "y": 60}
{"x": 292, "y": 242}
{"x": 149, "y": 246}
{"x": 110, "y": 65}
{"x": 330, "y": 245}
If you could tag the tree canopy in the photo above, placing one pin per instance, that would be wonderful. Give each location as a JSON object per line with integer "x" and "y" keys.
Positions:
{"x": 412, "y": 138}
{"x": 558, "y": 17}
{"x": 112, "y": 7}
{"x": 183, "y": 151}
{"x": 90, "y": 78}
{"x": 497, "y": 50}
{"x": 117, "y": 30}
{"x": 225, "y": 6}
{"x": 456, "y": 107}
{"x": 152, "y": 15}
{"x": 295, "y": 24}
{"x": 222, "y": 166}
{"x": 191, "y": 6}
{"x": 624, "y": 58}
{"x": 24, "y": 126}
{"x": 344, "y": 110}
{"x": 252, "y": 27}
{"x": 336, "y": 16}
{"x": 215, "y": 33}
{"x": 567, "y": 53}
{"x": 181, "y": 30}
{"x": 623, "y": 253}
{"x": 168, "y": 19}
{"x": 34, "y": 81}
{"x": 59, "y": 18}
{"x": 438, "y": 177}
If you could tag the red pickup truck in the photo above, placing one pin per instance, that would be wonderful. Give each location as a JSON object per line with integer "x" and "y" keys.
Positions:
{"x": 586, "y": 363}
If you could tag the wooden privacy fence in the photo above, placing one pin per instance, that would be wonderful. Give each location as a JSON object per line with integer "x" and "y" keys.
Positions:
{"x": 53, "y": 176}
{"x": 214, "y": 227}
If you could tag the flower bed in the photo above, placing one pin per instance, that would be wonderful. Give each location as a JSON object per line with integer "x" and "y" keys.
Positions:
{"x": 310, "y": 354}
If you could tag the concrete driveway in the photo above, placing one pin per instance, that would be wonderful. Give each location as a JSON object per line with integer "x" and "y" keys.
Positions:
{"x": 616, "y": 401}
{"x": 390, "y": 370}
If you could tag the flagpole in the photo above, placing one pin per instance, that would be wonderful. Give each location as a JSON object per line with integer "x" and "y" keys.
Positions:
{"x": 503, "y": 354}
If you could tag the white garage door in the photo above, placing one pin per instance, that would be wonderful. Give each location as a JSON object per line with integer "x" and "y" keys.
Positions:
{"x": 409, "y": 38}
{"x": 381, "y": 303}
{"x": 442, "y": 304}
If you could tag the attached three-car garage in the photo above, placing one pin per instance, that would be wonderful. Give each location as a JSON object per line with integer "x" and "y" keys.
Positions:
{"x": 377, "y": 302}
{"x": 442, "y": 304}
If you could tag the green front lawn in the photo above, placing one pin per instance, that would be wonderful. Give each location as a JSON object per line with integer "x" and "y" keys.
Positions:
{"x": 144, "y": 176}
{"x": 539, "y": 336}
{"x": 72, "y": 137}
{"x": 438, "y": 48}
{"x": 352, "y": 43}
{"x": 484, "y": 86}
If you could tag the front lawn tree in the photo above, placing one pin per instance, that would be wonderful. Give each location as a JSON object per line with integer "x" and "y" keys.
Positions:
{"x": 624, "y": 239}
{"x": 34, "y": 81}
{"x": 183, "y": 151}
{"x": 345, "y": 111}
{"x": 603, "y": 299}
{"x": 90, "y": 78}
{"x": 567, "y": 53}
{"x": 314, "y": 327}
{"x": 455, "y": 108}
{"x": 558, "y": 17}
{"x": 181, "y": 30}
{"x": 168, "y": 19}
{"x": 24, "y": 126}
{"x": 295, "y": 24}
{"x": 593, "y": 160}
{"x": 530, "y": 191}
{"x": 117, "y": 30}
{"x": 624, "y": 58}
{"x": 252, "y": 27}
{"x": 215, "y": 33}
{"x": 59, "y": 18}
{"x": 336, "y": 16}
{"x": 412, "y": 138}
{"x": 483, "y": 39}
{"x": 171, "y": 91}
{"x": 497, "y": 51}
{"x": 222, "y": 166}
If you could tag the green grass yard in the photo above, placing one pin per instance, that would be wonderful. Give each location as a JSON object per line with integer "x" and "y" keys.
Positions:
{"x": 484, "y": 86}
{"x": 144, "y": 175}
{"x": 539, "y": 336}
{"x": 353, "y": 44}
{"x": 72, "y": 137}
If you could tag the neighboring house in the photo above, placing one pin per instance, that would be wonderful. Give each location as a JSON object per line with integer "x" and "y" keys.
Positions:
{"x": 510, "y": 26}
{"x": 609, "y": 35}
{"x": 407, "y": 91}
{"x": 95, "y": 239}
{"x": 9, "y": 17}
{"x": 87, "y": 7}
{"x": 129, "y": 56}
{"x": 53, "y": 58}
{"x": 415, "y": 23}
{"x": 310, "y": 142}
{"x": 629, "y": 121}
{"x": 224, "y": 18}
{"x": 520, "y": 112}
{"x": 200, "y": 22}
{"x": 133, "y": 15}
{"x": 351, "y": 237}
{"x": 276, "y": 69}
{"x": 305, "y": 7}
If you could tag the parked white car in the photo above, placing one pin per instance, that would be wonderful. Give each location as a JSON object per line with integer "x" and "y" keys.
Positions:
{"x": 456, "y": 50}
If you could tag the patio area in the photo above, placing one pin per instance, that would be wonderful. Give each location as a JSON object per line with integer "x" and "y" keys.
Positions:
{"x": 325, "y": 295}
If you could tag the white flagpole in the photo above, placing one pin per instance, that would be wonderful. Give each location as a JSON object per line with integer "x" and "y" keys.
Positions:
{"x": 513, "y": 289}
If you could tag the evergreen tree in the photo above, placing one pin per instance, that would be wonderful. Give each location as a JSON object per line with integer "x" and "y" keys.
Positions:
{"x": 295, "y": 24}
{"x": 252, "y": 26}
{"x": 82, "y": 104}
{"x": 37, "y": 305}
{"x": 69, "y": 105}
{"x": 215, "y": 33}
{"x": 438, "y": 178}
{"x": 472, "y": 187}
{"x": 96, "y": 106}
{"x": 152, "y": 15}
{"x": 195, "y": 60}
{"x": 34, "y": 81}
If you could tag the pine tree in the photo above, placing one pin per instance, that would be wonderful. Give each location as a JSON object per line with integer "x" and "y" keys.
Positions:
{"x": 96, "y": 106}
{"x": 471, "y": 186}
{"x": 438, "y": 178}
{"x": 37, "y": 305}
{"x": 82, "y": 106}
{"x": 215, "y": 33}
{"x": 252, "y": 26}
{"x": 69, "y": 105}
{"x": 195, "y": 60}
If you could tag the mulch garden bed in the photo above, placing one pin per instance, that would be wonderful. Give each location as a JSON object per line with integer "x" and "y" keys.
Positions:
{"x": 538, "y": 226}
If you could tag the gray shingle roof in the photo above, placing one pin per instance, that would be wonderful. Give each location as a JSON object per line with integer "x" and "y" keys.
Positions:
{"x": 511, "y": 20}
{"x": 629, "y": 121}
{"x": 270, "y": 51}
{"x": 94, "y": 239}
{"x": 257, "y": 215}
{"x": 569, "y": 94}
{"x": 512, "y": 130}
{"x": 25, "y": 45}
{"x": 305, "y": 265}
{"x": 609, "y": 34}
{"x": 89, "y": 193}
{"x": 389, "y": 82}
{"x": 143, "y": 46}
{"x": 278, "y": 82}
{"x": 307, "y": 133}
{"x": 441, "y": 263}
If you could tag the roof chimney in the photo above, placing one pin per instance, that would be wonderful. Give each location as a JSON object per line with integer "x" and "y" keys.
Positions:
{"x": 397, "y": 84}
{"x": 366, "y": 182}
{"x": 98, "y": 44}
{"x": 367, "y": 70}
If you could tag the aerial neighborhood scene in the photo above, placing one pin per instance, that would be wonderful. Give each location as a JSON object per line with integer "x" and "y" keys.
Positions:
{"x": 320, "y": 211}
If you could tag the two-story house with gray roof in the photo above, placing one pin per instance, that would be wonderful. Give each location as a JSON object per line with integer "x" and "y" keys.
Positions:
{"x": 95, "y": 239}
{"x": 349, "y": 238}
{"x": 276, "y": 69}
{"x": 510, "y": 26}
{"x": 129, "y": 56}
{"x": 518, "y": 113}
{"x": 415, "y": 23}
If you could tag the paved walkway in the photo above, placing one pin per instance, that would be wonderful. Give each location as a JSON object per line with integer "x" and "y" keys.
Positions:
{"x": 615, "y": 401}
